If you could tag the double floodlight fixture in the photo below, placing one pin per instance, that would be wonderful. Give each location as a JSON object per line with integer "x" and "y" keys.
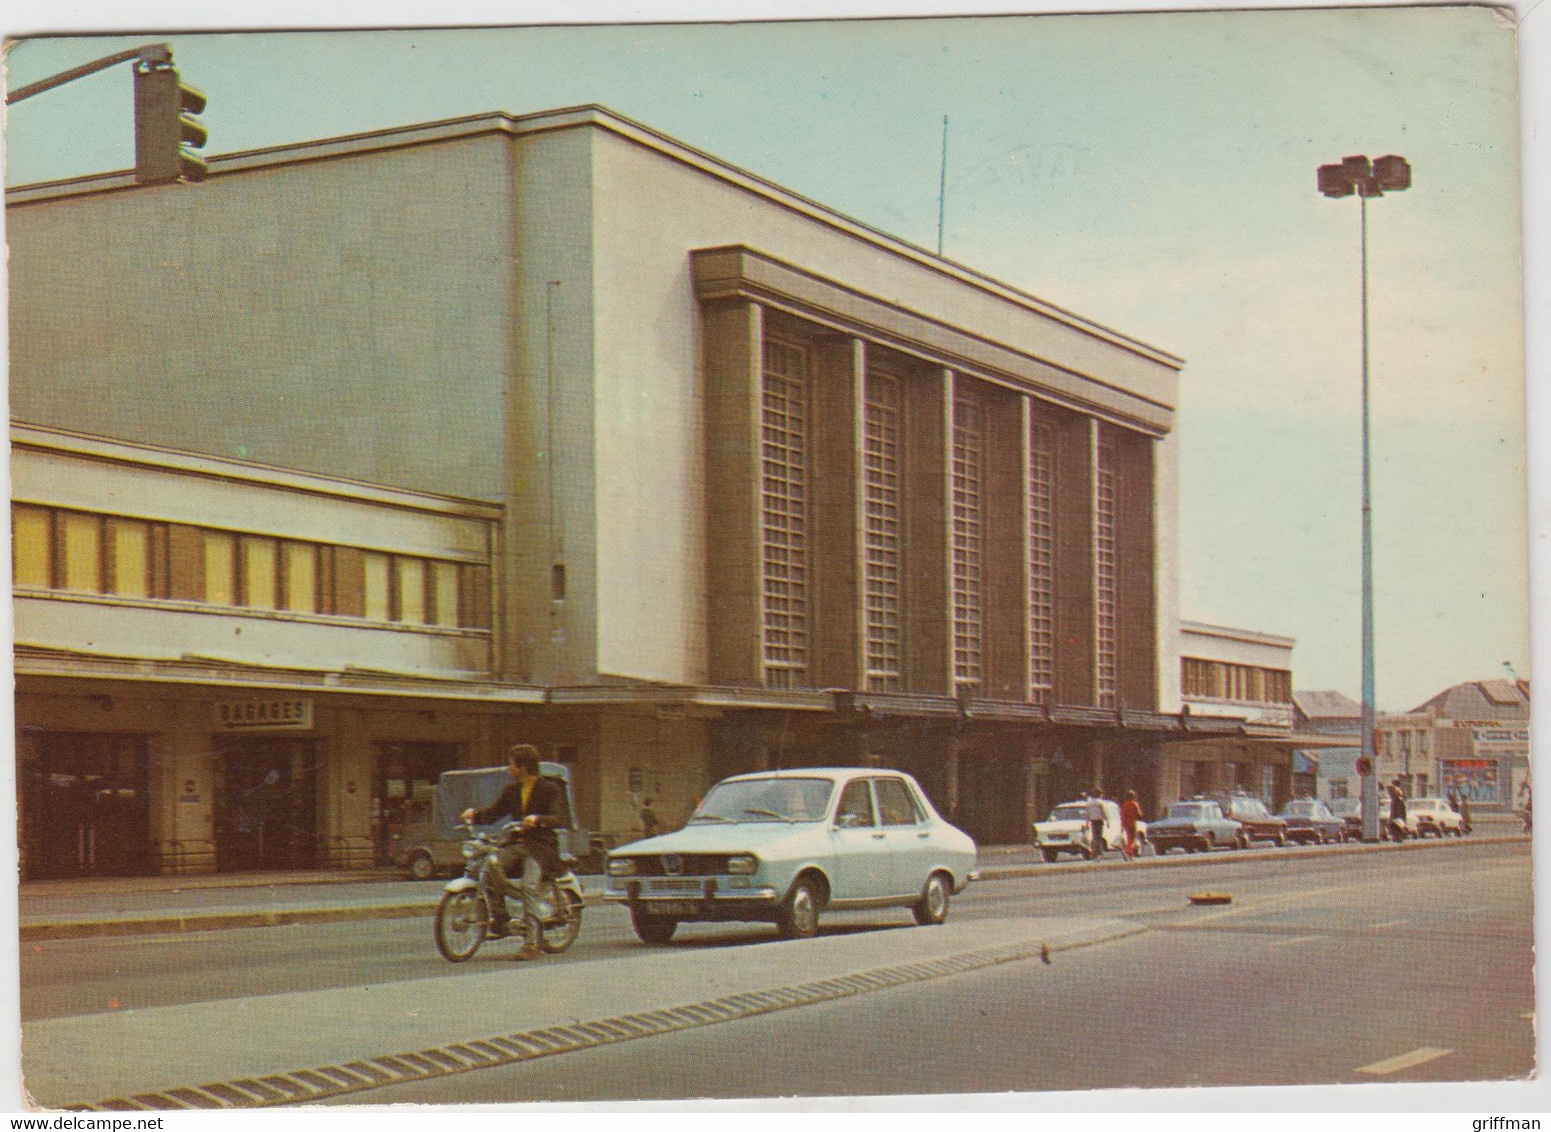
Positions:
{"x": 1388, "y": 174}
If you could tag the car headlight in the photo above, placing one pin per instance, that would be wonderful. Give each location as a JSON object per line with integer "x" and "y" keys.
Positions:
{"x": 621, "y": 867}
{"x": 742, "y": 864}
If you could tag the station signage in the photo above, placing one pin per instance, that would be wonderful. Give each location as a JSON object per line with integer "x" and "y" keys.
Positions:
{"x": 279, "y": 714}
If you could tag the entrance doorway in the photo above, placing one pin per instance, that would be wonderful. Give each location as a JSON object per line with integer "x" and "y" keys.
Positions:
{"x": 266, "y": 805}
{"x": 84, "y": 809}
{"x": 406, "y": 776}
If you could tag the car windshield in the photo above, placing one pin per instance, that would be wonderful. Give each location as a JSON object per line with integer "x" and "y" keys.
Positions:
{"x": 1343, "y": 806}
{"x": 1300, "y": 809}
{"x": 1071, "y": 811}
{"x": 766, "y": 799}
{"x": 1192, "y": 810}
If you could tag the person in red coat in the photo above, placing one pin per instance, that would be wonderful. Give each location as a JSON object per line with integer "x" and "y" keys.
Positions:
{"x": 1130, "y": 814}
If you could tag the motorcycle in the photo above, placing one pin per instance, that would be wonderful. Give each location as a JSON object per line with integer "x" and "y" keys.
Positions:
{"x": 463, "y": 916}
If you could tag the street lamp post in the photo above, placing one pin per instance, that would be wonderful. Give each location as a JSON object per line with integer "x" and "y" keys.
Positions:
{"x": 1359, "y": 176}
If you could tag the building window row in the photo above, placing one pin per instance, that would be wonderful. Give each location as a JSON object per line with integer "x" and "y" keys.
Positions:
{"x": 1042, "y": 562}
{"x": 1218, "y": 680}
{"x": 86, "y": 552}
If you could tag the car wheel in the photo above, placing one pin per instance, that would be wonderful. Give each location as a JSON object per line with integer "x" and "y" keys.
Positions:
{"x": 421, "y": 867}
{"x": 1050, "y": 855}
{"x": 654, "y": 929}
{"x": 932, "y": 908}
{"x": 1280, "y": 839}
{"x": 800, "y": 913}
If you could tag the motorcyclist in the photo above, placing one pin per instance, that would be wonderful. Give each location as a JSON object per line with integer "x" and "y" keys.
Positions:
{"x": 536, "y": 804}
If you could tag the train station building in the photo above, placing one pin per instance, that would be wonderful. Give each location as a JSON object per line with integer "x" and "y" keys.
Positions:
{"x": 371, "y": 455}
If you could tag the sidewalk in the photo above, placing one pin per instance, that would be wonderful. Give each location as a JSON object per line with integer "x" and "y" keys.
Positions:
{"x": 111, "y": 906}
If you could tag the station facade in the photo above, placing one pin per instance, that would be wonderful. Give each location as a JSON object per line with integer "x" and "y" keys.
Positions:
{"x": 369, "y": 456}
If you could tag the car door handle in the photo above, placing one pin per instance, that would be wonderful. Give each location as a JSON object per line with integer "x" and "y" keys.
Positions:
{"x": 923, "y": 836}
{"x": 879, "y": 836}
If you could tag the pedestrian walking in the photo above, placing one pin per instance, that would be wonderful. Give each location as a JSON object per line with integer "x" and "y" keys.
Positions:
{"x": 1397, "y": 812}
{"x": 1095, "y": 813}
{"x": 1464, "y": 814}
{"x": 1130, "y": 815}
{"x": 649, "y": 823}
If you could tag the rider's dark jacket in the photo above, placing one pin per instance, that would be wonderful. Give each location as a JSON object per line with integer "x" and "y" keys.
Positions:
{"x": 545, "y": 802}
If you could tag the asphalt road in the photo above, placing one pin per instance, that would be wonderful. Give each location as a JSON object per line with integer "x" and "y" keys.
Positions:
{"x": 1387, "y": 968}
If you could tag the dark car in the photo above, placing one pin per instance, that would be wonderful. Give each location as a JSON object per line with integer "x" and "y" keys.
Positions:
{"x": 1193, "y": 825}
{"x": 1350, "y": 811}
{"x": 1310, "y": 822}
{"x": 1259, "y": 823}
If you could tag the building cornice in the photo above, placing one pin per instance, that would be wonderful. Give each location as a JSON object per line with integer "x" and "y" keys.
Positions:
{"x": 742, "y": 272}
{"x": 40, "y": 438}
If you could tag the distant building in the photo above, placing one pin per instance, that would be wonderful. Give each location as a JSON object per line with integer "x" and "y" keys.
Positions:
{"x": 1472, "y": 738}
{"x": 1236, "y": 692}
{"x": 1331, "y": 771}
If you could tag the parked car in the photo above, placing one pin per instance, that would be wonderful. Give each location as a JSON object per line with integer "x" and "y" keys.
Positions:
{"x": 1194, "y": 825}
{"x": 784, "y": 846}
{"x": 1350, "y": 811}
{"x": 1066, "y": 830}
{"x": 1259, "y": 823}
{"x": 1432, "y": 817}
{"x": 1310, "y": 822}
{"x": 430, "y": 843}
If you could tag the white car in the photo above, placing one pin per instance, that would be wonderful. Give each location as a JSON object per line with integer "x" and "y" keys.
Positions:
{"x": 1432, "y": 816}
{"x": 783, "y": 846}
{"x": 1066, "y": 830}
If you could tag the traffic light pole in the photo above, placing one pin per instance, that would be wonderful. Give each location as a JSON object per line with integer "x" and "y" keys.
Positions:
{"x": 150, "y": 53}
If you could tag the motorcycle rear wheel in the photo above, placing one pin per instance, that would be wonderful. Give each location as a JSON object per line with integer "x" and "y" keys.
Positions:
{"x": 460, "y": 925}
{"x": 560, "y": 931}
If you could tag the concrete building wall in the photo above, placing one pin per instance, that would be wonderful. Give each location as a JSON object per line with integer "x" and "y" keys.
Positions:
{"x": 372, "y": 290}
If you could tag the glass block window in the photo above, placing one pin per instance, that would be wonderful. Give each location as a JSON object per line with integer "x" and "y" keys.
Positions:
{"x": 1042, "y": 562}
{"x": 784, "y": 503}
{"x": 1106, "y": 596}
{"x": 883, "y": 575}
{"x": 968, "y": 541}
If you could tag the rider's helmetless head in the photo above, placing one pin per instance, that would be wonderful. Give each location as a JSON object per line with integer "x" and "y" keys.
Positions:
{"x": 522, "y": 760}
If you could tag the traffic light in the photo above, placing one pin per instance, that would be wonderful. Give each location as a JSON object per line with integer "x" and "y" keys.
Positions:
{"x": 166, "y": 127}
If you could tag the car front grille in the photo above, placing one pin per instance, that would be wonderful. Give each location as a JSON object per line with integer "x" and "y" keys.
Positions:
{"x": 681, "y": 865}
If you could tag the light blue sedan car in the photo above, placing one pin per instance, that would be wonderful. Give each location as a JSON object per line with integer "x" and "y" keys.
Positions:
{"x": 783, "y": 846}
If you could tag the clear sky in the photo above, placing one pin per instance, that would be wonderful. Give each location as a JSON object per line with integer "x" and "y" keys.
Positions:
{"x": 1153, "y": 172}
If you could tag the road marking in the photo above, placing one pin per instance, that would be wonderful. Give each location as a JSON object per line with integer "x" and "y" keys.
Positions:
{"x": 1388, "y": 924}
{"x": 1405, "y": 1061}
{"x": 306, "y": 1086}
{"x": 1297, "y": 939}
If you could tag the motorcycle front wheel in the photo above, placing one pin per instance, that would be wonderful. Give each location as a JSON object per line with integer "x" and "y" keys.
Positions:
{"x": 559, "y": 931}
{"x": 460, "y": 925}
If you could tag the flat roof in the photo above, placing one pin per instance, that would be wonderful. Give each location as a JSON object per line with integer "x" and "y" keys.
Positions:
{"x": 592, "y": 115}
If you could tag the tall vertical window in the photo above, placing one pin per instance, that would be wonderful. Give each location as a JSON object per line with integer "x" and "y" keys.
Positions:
{"x": 376, "y": 587}
{"x": 130, "y": 549}
{"x": 83, "y": 552}
{"x": 220, "y": 568}
{"x": 301, "y": 576}
{"x": 410, "y": 574}
{"x": 31, "y": 541}
{"x": 1042, "y": 562}
{"x": 444, "y": 593}
{"x": 784, "y": 561}
{"x": 968, "y": 541}
{"x": 260, "y": 572}
{"x": 882, "y": 565}
{"x": 1106, "y": 595}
